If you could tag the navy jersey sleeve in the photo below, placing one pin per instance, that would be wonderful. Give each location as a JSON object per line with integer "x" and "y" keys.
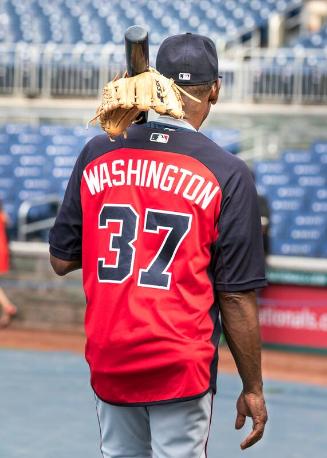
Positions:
{"x": 238, "y": 258}
{"x": 66, "y": 235}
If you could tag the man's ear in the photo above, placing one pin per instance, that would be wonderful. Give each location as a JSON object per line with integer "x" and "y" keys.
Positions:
{"x": 214, "y": 93}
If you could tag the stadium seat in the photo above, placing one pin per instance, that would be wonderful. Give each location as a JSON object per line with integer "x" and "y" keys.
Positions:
{"x": 296, "y": 157}
{"x": 319, "y": 207}
{"x": 275, "y": 180}
{"x": 289, "y": 205}
{"x": 290, "y": 192}
{"x": 298, "y": 249}
{"x": 97, "y": 22}
{"x": 312, "y": 40}
{"x": 310, "y": 220}
{"x": 306, "y": 234}
{"x": 226, "y": 138}
{"x": 307, "y": 169}
{"x": 312, "y": 181}
{"x": 266, "y": 167}
{"x": 319, "y": 147}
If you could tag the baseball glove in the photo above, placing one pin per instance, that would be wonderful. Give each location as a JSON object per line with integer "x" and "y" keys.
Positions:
{"x": 124, "y": 99}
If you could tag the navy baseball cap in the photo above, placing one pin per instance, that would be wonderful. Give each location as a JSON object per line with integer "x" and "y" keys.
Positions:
{"x": 189, "y": 59}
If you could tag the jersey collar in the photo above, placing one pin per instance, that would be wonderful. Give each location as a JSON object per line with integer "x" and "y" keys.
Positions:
{"x": 165, "y": 119}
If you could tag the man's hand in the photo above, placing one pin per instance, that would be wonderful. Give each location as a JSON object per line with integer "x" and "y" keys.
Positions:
{"x": 240, "y": 322}
{"x": 251, "y": 405}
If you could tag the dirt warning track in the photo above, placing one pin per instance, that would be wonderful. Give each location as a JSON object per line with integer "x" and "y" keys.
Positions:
{"x": 277, "y": 365}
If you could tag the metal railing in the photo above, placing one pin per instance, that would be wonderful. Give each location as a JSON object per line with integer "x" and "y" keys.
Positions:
{"x": 40, "y": 223}
{"x": 285, "y": 75}
{"x": 255, "y": 75}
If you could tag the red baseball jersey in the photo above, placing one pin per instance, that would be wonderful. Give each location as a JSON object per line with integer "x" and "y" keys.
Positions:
{"x": 162, "y": 220}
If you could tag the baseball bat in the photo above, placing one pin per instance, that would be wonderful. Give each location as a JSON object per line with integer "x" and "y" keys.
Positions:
{"x": 137, "y": 56}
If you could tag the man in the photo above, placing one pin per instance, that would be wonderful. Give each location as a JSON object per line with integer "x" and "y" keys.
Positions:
{"x": 264, "y": 211}
{"x": 166, "y": 226}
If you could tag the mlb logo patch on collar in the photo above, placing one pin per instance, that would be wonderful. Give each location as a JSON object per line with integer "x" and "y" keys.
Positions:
{"x": 159, "y": 138}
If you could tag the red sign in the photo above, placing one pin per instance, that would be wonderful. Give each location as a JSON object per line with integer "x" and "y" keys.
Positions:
{"x": 294, "y": 315}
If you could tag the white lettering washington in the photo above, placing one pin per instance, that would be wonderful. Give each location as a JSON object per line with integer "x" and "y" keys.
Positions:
{"x": 145, "y": 173}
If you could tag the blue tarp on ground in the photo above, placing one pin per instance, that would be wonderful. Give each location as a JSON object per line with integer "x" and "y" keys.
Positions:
{"x": 47, "y": 411}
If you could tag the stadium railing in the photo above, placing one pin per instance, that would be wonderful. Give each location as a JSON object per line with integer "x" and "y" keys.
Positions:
{"x": 26, "y": 227}
{"x": 256, "y": 75}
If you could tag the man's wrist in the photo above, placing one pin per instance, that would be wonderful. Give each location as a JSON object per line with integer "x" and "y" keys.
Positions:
{"x": 253, "y": 388}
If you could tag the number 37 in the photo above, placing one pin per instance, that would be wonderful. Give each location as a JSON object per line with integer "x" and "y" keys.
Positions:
{"x": 156, "y": 274}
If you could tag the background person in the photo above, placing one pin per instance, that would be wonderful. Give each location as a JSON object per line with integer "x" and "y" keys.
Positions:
{"x": 8, "y": 310}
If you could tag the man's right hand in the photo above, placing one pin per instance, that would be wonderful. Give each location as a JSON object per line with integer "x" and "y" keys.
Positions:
{"x": 251, "y": 405}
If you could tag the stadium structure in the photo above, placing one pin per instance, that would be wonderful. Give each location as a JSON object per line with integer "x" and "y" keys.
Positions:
{"x": 56, "y": 57}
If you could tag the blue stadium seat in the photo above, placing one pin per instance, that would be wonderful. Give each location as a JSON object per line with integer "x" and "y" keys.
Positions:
{"x": 65, "y": 161}
{"x": 275, "y": 179}
{"x": 228, "y": 139}
{"x": 289, "y": 205}
{"x": 290, "y": 192}
{"x": 95, "y": 22}
{"x": 40, "y": 184}
{"x": 41, "y": 212}
{"x": 60, "y": 150}
{"x": 27, "y": 194}
{"x": 307, "y": 169}
{"x": 29, "y": 138}
{"x": 312, "y": 40}
{"x": 7, "y": 183}
{"x": 318, "y": 206}
{"x": 17, "y": 149}
{"x": 299, "y": 249}
{"x": 321, "y": 194}
{"x": 28, "y": 172}
{"x": 323, "y": 162}
{"x": 268, "y": 167}
{"x": 4, "y": 138}
{"x": 6, "y": 162}
{"x": 312, "y": 181}
{"x": 306, "y": 234}
{"x": 36, "y": 160}
{"x": 11, "y": 211}
{"x": 319, "y": 147}
{"x": 310, "y": 220}
{"x": 287, "y": 247}
{"x": 297, "y": 157}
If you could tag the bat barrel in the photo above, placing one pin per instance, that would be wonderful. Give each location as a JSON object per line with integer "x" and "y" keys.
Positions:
{"x": 137, "y": 50}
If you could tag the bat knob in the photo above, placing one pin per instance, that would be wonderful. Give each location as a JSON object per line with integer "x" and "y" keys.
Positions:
{"x": 137, "y": 50}
{"x": 136, "y": 34}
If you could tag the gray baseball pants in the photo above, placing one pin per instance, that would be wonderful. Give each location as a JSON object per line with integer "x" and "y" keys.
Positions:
{"x": 176, "y": 430}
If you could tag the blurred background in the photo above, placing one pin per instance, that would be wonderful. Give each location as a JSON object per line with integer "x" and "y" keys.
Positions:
{"x": 56, "y": 56}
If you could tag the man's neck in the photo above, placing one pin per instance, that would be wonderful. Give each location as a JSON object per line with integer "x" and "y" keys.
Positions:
{"x": 195, "y": 120}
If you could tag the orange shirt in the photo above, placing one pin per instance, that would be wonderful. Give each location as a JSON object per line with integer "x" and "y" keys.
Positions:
{"x": 4, "y": 251}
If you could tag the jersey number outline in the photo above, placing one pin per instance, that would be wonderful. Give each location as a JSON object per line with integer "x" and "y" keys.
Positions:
{"x": 156, "y": 275}
{"x": 121, "y": 242}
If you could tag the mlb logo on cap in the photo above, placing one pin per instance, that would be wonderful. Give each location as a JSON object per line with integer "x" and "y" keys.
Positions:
{"x": 159, "y": 138}
{"x": 184, "y": 76}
